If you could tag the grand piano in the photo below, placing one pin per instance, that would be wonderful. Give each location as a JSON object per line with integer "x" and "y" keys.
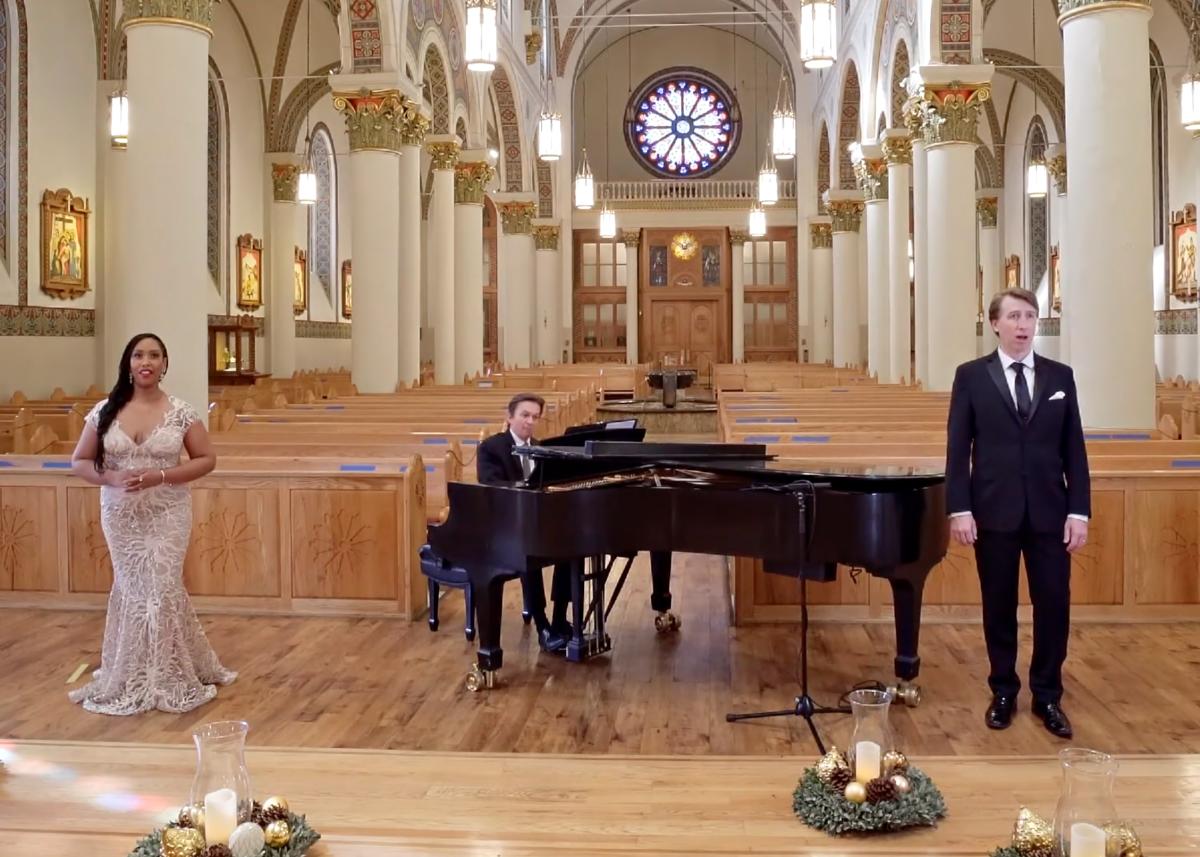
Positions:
{"x": 620, "y": 497}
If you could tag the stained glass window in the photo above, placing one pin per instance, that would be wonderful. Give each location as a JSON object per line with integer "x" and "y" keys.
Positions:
{"x": 682, "y": 123}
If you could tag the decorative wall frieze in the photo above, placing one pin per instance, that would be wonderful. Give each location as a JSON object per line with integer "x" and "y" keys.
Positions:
{"x": 517, "y": 217}
{"x": 285, "y": 180}
{"x": 197, "y": 14}
{"x": 323, "y": 329}
{"x": 987, "y": 210}
{"x": 46, "y": 321}
{"x": 545, "y": 237}
{"x": 380, "y": 120}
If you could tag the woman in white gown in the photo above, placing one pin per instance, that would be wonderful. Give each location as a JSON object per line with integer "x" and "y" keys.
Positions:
{"x": 155, "y": 653}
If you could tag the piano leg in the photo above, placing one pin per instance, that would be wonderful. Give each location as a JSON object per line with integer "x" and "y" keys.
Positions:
{"x": 489, "y": 602}
{"x": 660, "y": 594}
{"x": 906, "y": 600}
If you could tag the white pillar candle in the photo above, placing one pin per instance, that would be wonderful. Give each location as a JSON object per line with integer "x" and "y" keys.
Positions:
{"x": 866, "y": 761}
{"x": 220, "y": 816}
{"x": 1087, "y": 840}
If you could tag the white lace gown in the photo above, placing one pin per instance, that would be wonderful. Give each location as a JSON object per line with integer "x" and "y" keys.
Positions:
{"x": 155, "y": 653}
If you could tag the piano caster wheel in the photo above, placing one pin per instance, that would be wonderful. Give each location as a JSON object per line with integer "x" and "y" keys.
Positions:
{"x": 478, "y": 680}
{"x": 909, "y": 694}
{"x": 667, "y": 623}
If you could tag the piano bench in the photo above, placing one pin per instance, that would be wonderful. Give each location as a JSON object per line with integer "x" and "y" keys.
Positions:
{"x": 441, "y": 573}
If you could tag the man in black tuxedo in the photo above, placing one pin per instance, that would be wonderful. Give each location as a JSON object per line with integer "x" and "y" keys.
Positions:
{"x": 1017, "y": 483}
{"x": 495, "y": 464}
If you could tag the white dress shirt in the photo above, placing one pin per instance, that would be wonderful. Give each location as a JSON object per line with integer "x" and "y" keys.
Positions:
{"x": 1010, "y": 376}
{"x": 527, "y": 463}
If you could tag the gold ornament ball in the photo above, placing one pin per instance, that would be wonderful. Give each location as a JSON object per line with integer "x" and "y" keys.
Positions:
{"x": 192, "y": 816}
{"x": 901, "y": 783}
{"x": 1033, "y": 836}
{"x": 856, "y": 792}
{"x": 278, "y": 833}
{"x": 1122, "y": 840}
{"x": 273, "y": 802}
{"x": 895, "y": 761}
{"x": 182, "y": 842}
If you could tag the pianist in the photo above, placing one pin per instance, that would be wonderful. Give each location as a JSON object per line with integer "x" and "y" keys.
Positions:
{"x": 496, "y": 464}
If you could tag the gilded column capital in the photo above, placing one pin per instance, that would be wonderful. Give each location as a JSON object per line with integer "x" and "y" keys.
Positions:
{"x": 517, "y": 217}
{"x": 821, "y": 235}
{"x": 845, "y": 214}
{"x": 950, "y": 112}
{"x": 631, "y": 237}
{"x": 470, "y": 178}
{"x": 545, "y": 237}
{"x": 738, "y": 236}
{"x": 533, "y": 44}
{"x": 897, "y": 148}
{"x": 872, "y": 177}
{"x": 285, "y": 179}
{"x": 377, "y": 120}
{"x": 444, "y": 154}
{"x": 197, "y": 14}
{"x": 986, "y": 209}
{"x": 1074, "y": 8}
{"x": 1056, "y": 166}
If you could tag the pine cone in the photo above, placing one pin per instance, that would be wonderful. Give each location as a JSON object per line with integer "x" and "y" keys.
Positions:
{"x": 216, "y": 851}
{"x": 256, "y": 813}
{"x": 269, "y": 814}
{"x": 880, "y": 790}
{"x": 839, "y": 779}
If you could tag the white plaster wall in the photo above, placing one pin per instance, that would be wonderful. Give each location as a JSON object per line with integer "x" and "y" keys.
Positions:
{"x": 35, "y": 365}
{"x": 322, "y": 354}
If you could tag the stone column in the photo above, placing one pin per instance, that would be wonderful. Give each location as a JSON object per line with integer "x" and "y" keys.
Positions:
{"x": 166, "y": 284}
{"x": 870, "y": 170}
{"x": 439, "y": 267}
{"x": 913, "y": 119}
{"x": 413, "y": 128}
{"x": 470, "y": 178}
{"x": 287, "y": 222}
{"x": 820, "y": 260}
{"x": 897, "y": 150}
{"x": 374, "y": 120}
{"x": 737, "y": 340}
{"x": 951, "y": 111}
{"x": 632, "y": 239}
{"x": 845, "y": 211}
{"x": 549, "y": 315}
{"x": 1056, "y": 165}
{"x": 515, "y": 283}
{"x": 1108, "y": 249}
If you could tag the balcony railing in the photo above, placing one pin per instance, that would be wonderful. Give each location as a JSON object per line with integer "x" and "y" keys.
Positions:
{"x": 686, "y": 193}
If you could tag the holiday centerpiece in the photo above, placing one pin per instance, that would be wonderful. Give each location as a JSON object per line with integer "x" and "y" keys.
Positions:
{"x": 221, "y": 819}
{"x": 872, "y": 788}
{"x": 1085, "y": 819}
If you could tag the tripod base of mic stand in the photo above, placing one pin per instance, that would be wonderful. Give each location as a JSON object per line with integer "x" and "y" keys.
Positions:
{"x": 805, "y": 707}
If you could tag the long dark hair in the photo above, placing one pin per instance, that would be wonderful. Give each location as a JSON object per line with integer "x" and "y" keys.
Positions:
{"x": 121, "y": 392}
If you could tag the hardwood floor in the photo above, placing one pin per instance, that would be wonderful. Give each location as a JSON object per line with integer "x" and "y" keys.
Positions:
{"x": 383, "y": 683}
{"x": 74, "y": 800}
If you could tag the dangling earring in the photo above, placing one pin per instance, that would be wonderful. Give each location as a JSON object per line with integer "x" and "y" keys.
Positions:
{"x": 131, "y": 378}
{"x": 162, "y": 374}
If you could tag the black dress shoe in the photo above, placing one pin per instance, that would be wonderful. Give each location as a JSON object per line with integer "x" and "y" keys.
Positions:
{"x": 1054, "y": 718}
{"x": 1000, "y": 712}
{"x": 551, "y": 641}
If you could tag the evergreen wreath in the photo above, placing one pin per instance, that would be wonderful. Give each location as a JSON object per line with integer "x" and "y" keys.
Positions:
{"x": 823, "y": 809}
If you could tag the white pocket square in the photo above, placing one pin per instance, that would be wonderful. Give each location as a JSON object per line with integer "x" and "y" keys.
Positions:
{"x": 1059, "y": 395}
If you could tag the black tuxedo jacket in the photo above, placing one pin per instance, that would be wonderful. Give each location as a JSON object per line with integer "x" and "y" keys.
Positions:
{"x": 997, "y": 468}
{"x": 495, "y": 463}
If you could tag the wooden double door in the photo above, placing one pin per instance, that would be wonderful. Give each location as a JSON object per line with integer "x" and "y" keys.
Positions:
{"x": 684, "y": 295}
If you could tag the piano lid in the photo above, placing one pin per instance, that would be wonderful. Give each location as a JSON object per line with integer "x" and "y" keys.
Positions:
{"x": 644, "y": 453}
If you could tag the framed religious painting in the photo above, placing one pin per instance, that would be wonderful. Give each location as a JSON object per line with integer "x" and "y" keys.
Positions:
{"x": 299, "y": 282}
{"x": 1183, "y": 253}
{"x": 1055, "y": 280}
{"x": 1012, "y": 272}
{"x": 347, "y": 306}
{"x": 64, "y": 244}
{"x": 250, "y": 272}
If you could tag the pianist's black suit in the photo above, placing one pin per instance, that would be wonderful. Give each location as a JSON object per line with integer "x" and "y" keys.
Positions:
{"x": 495, "y": 464}
{"x": 1020, "y": 479}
